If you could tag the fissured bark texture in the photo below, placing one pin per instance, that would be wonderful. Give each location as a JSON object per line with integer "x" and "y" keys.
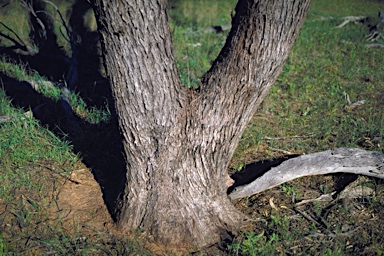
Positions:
{"x": 178, "y": 142}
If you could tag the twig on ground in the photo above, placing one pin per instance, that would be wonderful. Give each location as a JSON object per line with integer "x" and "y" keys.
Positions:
{"x": 322, "y": 198}
{"x": 307, "y": 216}
{"x": 374, "y": 36}
{"x": 290, "y": 137}
{"x": 57, "y": 173}
{"x": 282, "y": 150}
{"x": 5, "y": 119}
{"x": 379, "y": 46}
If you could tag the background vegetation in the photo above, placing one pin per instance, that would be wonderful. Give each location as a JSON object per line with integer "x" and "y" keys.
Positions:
{"x": 306, "y": 111}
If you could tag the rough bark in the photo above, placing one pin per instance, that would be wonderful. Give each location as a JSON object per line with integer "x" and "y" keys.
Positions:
{"x": 178, "y": 142}
{"x": 340, "y": 160}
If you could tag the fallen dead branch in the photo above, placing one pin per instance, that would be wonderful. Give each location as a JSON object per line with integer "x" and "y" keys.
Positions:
{"x": 307, "y": 216}
{"x": 375, "y": 30}
{"x": 354, "y": 19}
{"x": 290, "y": 137}
{"x": 282, "y": 151}
{"x": 378, "y": 46}
{"x": 340, "y": 160}
{"x": 322, "y": 198}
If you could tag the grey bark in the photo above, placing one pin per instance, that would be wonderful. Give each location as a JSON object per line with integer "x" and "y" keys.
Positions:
{"x": 178, "y": 142}
{"x": 340, "y": 160}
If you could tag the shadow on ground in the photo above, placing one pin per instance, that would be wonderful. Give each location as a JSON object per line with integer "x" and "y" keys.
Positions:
{"x": 99, "y": 145}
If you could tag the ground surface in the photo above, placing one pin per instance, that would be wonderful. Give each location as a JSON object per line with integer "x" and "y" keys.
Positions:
{"x": 50, "y": 206}
{"x": 354, "y": 222}
{"x": 80, "y": 202}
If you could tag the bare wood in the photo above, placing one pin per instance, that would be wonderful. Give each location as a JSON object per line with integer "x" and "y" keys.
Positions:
{"x": 340, "y": 160}
{"x": 290, "y": 137}
{"x": 348, "y": 19}
{"x": 379, "y": 46}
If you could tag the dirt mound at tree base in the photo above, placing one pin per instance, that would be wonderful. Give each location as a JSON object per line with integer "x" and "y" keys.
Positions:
{"x": 80, "y": 203}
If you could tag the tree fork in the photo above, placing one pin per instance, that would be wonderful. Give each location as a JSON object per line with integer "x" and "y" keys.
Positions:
{"x": 178, "y": 143}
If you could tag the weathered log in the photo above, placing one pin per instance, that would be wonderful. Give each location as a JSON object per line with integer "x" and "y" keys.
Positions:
{"x": 340, "y": 160}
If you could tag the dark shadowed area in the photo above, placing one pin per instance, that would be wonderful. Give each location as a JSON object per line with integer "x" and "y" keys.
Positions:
{"x": 99, "y": 145}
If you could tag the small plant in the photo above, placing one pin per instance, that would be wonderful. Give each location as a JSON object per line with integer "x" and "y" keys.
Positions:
{"x": 329, "y": 252}
{"x": 290, "y": 189}
{"x": 3, "y": 246}
{"x": 254, "y": 245}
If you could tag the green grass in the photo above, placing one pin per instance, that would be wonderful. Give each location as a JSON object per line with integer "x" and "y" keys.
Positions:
{"x": 306, "y": 111}
{"x": 3, "y": 246}
{"x": 308, "y": 98}
{"x": 24, "y": 144}
{"x": 32, "y": 159}
{"x": 195, "y": 48}
{"x": 15, "y": 17}
{"x": 54, "y": 91}
{"x": 308, "y": 101}
{"x": 28, "y": 154}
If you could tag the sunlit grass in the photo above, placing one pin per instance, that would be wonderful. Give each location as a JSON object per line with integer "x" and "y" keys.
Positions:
{"x": 54, "y": 91}
{"x": 23, "y": 142}
{"x": 307, "y": 111}
{"x": 309, "y": 97}
{"x": 196, "y": 48}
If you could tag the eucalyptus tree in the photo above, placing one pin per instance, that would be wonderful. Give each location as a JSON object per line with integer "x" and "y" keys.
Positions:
{"x": 178, "y": 142}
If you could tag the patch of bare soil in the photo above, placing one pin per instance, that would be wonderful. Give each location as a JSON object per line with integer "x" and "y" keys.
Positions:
{"x": 80, "y": 203}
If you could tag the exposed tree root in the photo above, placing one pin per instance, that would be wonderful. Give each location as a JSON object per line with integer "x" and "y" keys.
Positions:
{"x": 340, "y": 160}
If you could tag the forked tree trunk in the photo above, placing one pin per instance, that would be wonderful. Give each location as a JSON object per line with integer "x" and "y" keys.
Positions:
{"x": 178, "y": 142}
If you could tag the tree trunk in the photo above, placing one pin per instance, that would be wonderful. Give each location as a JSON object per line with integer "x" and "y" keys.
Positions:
{"x": 178, "y": 142}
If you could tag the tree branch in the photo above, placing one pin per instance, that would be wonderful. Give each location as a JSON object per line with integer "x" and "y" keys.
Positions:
{"x": 340, "y": 160}
{"x": 18, "y": 44}
{"x": 29, "y": 8}
{"x": 72, "y": 75}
